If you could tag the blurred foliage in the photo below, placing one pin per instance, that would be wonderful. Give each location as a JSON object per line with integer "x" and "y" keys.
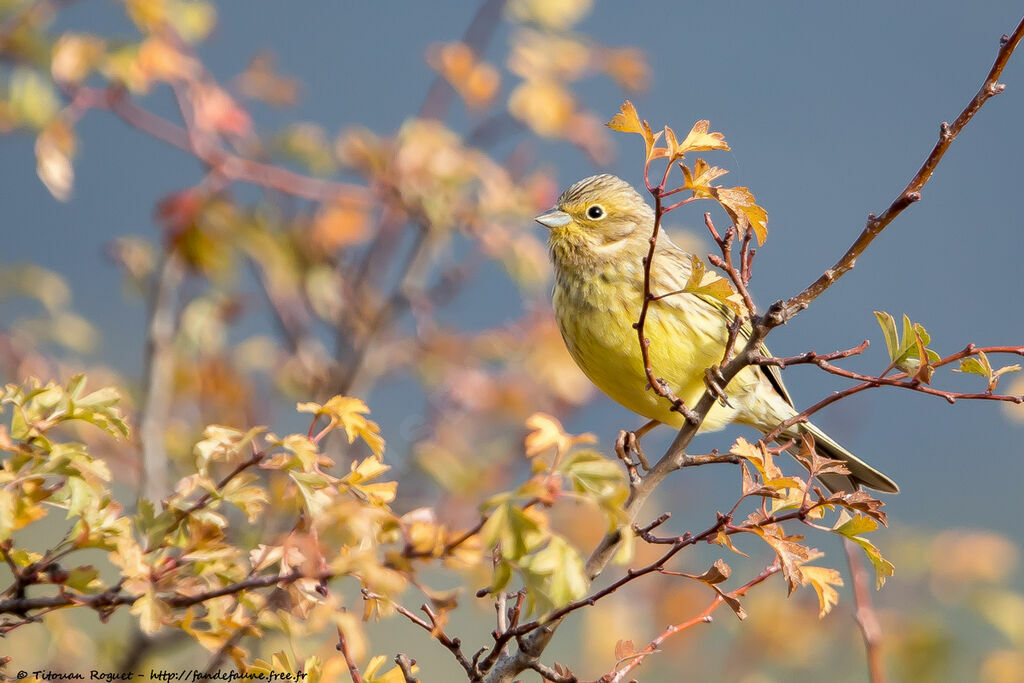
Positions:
{"x": 256, "y": 550}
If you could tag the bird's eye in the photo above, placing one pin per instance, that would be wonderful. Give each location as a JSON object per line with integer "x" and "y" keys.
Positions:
{"x": 595, "y": 212}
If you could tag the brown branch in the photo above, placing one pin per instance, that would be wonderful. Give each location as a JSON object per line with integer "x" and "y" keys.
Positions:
{"x": 405, "y": 665}
{"x": 551, "y": 674}
{"x": 678, "y": 543}
{"x": 740, "y": 277}
{"x": 158, "y": 372}
{"x": 867, "y": 620}
{"x": 659, "y": 387}
{"x": 912, "y": 192}
{"x": 453, "y": 645}
{"x": 113, "y": 597}
{"x": 702, "y": 618}
{"x": 448, "y": 547}
{"x": 342, "y": 646}
{"x": 903, "y": 380}
{"x": 810, "y": 357}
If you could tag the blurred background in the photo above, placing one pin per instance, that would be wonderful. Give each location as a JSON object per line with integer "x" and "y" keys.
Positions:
{"x": 419, "y": 283}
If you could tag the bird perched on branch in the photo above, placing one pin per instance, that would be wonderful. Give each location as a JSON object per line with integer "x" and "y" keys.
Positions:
{"x": 600, "y": 235}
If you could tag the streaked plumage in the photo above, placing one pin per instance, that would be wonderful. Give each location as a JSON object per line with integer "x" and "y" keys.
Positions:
{"x": 598, "y": 255}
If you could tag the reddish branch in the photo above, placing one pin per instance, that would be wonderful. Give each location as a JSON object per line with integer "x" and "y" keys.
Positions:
{"x": 702, "y": 618}
{"x": 659, "y": 386}
{"x": 903, "y": 380}
{"x": 912, "y": 192}
{"x": 867, "y": 620}
{"x": 117, "y": 101}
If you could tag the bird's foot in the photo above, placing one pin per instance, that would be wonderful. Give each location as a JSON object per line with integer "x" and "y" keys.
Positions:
{"x": 715, "y": 381}
{"x": 626, "y": 446}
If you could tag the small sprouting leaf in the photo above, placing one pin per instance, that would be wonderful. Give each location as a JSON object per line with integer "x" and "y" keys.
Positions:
{"x": 907, "y": 354}
{"x": 593, "y": 473}
{"x": 980, "y": 365}
{"x": 759, "y": 456}
{"x": 151, "y": 611}
{"x": 888, "y": 325}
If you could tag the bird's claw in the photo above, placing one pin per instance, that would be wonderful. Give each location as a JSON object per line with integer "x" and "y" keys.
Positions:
{"x": 626, "y": 445}
{"x": 714, "y": 381}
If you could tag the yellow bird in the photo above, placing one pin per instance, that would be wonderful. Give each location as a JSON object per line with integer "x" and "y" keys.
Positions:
{"x": 600, "y": 231}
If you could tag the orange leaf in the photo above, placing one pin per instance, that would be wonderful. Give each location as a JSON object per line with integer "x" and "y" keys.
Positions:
{"x": 628, "y": 121}
{"x": 699, "y": 139}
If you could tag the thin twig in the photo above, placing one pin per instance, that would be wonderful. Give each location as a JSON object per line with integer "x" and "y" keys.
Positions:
{"x": 342, "y": 646}
{"x": 912, "y": 192}
{"x": 405, "y": 665}
{"x": 702, "y": 618}
{"x": 116, "y": 100}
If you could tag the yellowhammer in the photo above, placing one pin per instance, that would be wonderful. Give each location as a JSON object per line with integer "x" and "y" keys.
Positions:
{"x": 600, "y": 231}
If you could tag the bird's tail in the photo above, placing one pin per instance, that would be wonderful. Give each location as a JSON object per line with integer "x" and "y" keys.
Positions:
{"x": 861, "y": 473}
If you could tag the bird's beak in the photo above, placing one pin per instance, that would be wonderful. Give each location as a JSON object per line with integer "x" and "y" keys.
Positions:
{"x": 554, "y": 218}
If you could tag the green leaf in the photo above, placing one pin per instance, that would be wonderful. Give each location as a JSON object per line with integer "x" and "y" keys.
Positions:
{"x": 907, "y": 353}
{"x": 84, "y": 579}
{"x": 554, "y": 575}
{"x": 851, "y": 528}
{"x": 516, "y": 532}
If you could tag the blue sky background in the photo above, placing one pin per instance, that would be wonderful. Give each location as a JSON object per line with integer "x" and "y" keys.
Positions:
{"x": 829, "y": 109}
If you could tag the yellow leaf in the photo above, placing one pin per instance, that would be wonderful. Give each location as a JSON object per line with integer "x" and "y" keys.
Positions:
{"x": 349, "y": 412}
{"x": 824, "y": 581}
{"x": 75, "y": 56}
{"x": 739, "y": 203}
{"x": 701, "y": 178}
{"x": 543, "y": 105}
{"x": 547, "y": 433}
{"x": 708, "y": 283}
{"x": 151, "y": 612}
{"x": 628, "y": 121}
{"x": 699, "y": 140}
{"x": 55, "y": 146}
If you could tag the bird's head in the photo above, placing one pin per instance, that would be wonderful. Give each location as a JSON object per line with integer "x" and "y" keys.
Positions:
{"x": 597, "y": 211}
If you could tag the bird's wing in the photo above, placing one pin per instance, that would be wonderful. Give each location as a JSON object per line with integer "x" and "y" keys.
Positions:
{"x": 671, "y": 271}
